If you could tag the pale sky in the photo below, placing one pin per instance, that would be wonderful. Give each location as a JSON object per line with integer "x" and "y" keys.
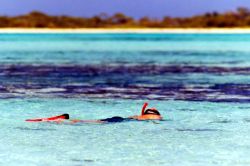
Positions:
{"x": 134, "y": 8}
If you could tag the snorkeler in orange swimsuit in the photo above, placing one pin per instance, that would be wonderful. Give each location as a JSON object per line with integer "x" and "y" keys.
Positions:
{"x": 146, "y": 114}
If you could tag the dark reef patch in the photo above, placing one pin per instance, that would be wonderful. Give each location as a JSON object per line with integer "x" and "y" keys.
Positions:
{"x": 122, "y": 81}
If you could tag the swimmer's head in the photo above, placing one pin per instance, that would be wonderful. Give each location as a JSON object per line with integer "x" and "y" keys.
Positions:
{"x": 150, "y": 113}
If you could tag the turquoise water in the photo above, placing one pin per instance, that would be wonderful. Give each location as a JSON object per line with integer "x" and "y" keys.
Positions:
{"x": 199, "y": 83}
{"x": 229, "y": 50}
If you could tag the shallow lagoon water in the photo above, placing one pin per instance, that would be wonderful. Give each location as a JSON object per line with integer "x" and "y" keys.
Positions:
{"x": 200, "y": 84}
{"x": 192, "y": 133}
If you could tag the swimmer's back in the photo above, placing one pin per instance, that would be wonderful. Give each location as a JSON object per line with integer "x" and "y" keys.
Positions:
{"x": 114, "y": 119}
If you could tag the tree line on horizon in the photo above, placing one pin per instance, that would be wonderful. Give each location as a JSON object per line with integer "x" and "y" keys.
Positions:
{"x": 36, "y": 19}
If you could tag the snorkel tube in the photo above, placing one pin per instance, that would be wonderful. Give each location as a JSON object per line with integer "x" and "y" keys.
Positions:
{"x": 143, "y": 108}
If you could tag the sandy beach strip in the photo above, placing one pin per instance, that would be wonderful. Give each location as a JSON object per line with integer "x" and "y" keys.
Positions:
{"x": 129, "y": 30}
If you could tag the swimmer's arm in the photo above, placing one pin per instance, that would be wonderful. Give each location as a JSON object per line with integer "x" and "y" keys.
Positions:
{"x": 136, "y": 117}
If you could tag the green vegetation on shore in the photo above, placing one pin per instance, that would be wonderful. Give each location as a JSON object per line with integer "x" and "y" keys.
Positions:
{"x": 35, "y": 19}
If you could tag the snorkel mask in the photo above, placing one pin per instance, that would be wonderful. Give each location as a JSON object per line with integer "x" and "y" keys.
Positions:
{"x": 151, "y": 111}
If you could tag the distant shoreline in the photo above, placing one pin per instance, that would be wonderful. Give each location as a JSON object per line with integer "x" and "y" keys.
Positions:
{"x": 128, "y": 30}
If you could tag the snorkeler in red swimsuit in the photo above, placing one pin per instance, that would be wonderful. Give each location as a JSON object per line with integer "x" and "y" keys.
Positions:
{"x": 146, "y": 114}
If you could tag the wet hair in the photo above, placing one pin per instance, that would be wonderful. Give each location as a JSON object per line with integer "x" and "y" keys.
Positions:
{"x": 152, "y": 112}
